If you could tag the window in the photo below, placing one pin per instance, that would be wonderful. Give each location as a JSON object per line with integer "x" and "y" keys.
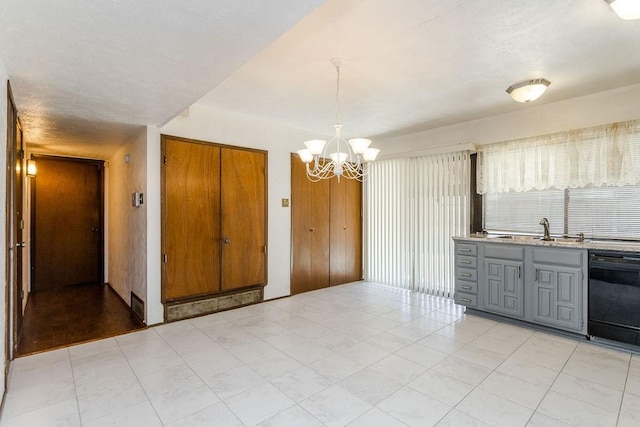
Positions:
{"x": 612, "y": 212}
{"x": 522, "y": 212}
{"x": 598, "y": 212}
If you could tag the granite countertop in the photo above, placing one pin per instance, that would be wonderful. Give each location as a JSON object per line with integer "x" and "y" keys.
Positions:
{"x": 627, "y": 246}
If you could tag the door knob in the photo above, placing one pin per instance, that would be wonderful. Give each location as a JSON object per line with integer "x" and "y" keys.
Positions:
{"x": 312, "y": 229}
{"x": 95, "y": 229}
{"x": 226, "y": 240}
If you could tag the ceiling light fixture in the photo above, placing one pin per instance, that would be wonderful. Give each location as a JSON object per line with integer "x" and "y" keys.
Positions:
{"x": 349, "y": 163}
{"x": 528, "y": 91}
{"x": 626, "y": 9}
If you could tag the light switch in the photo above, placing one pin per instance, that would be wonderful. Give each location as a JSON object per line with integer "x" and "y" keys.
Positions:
{"x": 285, "y": 203}
{"x": 137, "y": 199}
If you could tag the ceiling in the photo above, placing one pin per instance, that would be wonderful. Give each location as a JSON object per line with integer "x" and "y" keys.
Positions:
{"x": 86, "y": 74}
{"x": 430, "y": 63}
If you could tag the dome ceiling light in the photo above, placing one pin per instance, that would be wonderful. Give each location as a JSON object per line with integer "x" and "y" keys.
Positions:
{"x": 626, "y": 9}
{"x": 528, "y": 91}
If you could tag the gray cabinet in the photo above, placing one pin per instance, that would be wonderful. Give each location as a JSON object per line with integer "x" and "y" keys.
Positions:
{"x": 558, "y": 290}
{"x": 503, "y": 287}
{"x": 466, "y": 285}
{"x": 534, "y": 283}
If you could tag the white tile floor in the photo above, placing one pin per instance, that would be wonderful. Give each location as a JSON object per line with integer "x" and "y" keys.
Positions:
{"x": 359, "y": 355}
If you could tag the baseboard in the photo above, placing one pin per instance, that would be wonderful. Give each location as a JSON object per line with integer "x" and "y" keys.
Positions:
{"x": 212, "y": 304}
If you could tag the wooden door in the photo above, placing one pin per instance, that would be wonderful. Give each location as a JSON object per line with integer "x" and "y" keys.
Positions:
{"x": 190, "y": 219}
{"x": 14, "y": 225}
{"x": 244, "y": 213}
{"x": 310, "y": 231}
{"x": 18, "y": 223}
{"x": 67, "y": 222}
{"x": 346, "y": 231}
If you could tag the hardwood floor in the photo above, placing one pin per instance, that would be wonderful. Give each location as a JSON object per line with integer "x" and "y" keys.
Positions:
{"x": 60, "y": 317}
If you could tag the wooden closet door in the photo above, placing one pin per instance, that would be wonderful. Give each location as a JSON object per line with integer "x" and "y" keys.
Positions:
{"x": 244, "y": 216}
{"x": 346, "y": 231}
{"x": 309, "y": 230}
{"x": 191, "y": 219}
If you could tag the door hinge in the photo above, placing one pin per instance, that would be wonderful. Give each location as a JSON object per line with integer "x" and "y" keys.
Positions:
{"x": 582, "y": 275}
{"x": 164, "y": 160}
{"x": 164, "y": 258}
{"x": 264, "y": 248}
{"x": 22, "y": 294}
{"x": 21, "y": 154}
{"x": 22, "y": 224}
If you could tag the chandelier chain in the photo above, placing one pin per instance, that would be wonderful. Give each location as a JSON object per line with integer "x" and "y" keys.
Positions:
{"x": 338, "y": 94}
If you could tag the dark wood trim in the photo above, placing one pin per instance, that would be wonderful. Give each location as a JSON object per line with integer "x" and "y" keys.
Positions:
{"x": 475, "y": 199}
{"x": 101, "y": 167}
{"x": 10, "y": 148}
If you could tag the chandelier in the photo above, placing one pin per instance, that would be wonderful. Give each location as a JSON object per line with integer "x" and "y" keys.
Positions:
{"x": 349, "y": 158}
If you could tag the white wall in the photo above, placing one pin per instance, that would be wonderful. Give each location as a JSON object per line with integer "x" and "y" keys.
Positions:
{"x": 155, "y": 309}
{"x": 531, "y": 120}
{"x": 127, "y": 225}
{"x": 207, "y": 124}
{"x": 3, "y": 216}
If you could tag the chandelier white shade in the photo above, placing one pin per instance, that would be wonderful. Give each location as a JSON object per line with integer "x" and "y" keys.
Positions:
{"x": 528, "y": 91}
{"x": 337, "y": 157}
{"x": 626, "y": 9}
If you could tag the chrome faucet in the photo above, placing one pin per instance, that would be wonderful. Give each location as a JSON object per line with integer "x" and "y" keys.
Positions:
{"x": 545, "y": 223}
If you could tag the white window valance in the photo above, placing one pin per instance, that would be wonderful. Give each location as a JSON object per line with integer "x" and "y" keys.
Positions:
{"x": 596, "y": 156}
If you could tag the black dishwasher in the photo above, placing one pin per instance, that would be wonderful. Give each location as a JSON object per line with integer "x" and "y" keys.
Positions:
{"x": 614, "y": 296}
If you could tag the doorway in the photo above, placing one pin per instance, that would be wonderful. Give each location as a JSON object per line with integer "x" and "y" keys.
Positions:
{"x": 69, "y": 300}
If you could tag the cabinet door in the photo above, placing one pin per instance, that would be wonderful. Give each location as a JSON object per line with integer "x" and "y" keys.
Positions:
{"x": 190, "y": 219}
{"x": 557, "y": 296}
{"x": 503, "y": 287}
{"x": 309, "y": 230}
{"x": 243, "y": 218}
{"x": 346, "y": 231}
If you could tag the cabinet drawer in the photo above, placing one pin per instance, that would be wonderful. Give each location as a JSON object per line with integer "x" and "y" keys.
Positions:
{"x": 465, "y": 299}
{"x": 466, "y": 274}
{"x": 560, "y": 256}
{"x": 504, "y": 252}
{"x": 466, "y": 261}
{"x": 468, "y": 287}
{"x": 466, "y": 249}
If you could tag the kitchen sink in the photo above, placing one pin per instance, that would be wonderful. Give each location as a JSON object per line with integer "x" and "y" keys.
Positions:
{"x": 510, "y": 237}
{"x": 529, "y": 238}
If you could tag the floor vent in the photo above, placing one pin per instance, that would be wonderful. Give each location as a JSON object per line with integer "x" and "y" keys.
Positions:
{"x": 137, "y": 305}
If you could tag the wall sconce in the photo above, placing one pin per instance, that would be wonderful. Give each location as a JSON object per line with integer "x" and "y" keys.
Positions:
{"x": 31, "y": 168}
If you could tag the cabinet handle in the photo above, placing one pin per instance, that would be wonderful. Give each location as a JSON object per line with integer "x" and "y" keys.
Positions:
{"x": 519, "y": 275}
{"x": 465, "y": 250}
{"x": 312, "y": 229}
{"x": 465, "y": 274}
{"x": 465, "y": 300}
{"x": 465, "y": 287}
{"x": 465, "y": 261}
{"x": 535, "y": 279}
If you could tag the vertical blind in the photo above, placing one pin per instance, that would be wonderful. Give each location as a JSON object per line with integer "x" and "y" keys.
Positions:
{"x": 412, "y": 209}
